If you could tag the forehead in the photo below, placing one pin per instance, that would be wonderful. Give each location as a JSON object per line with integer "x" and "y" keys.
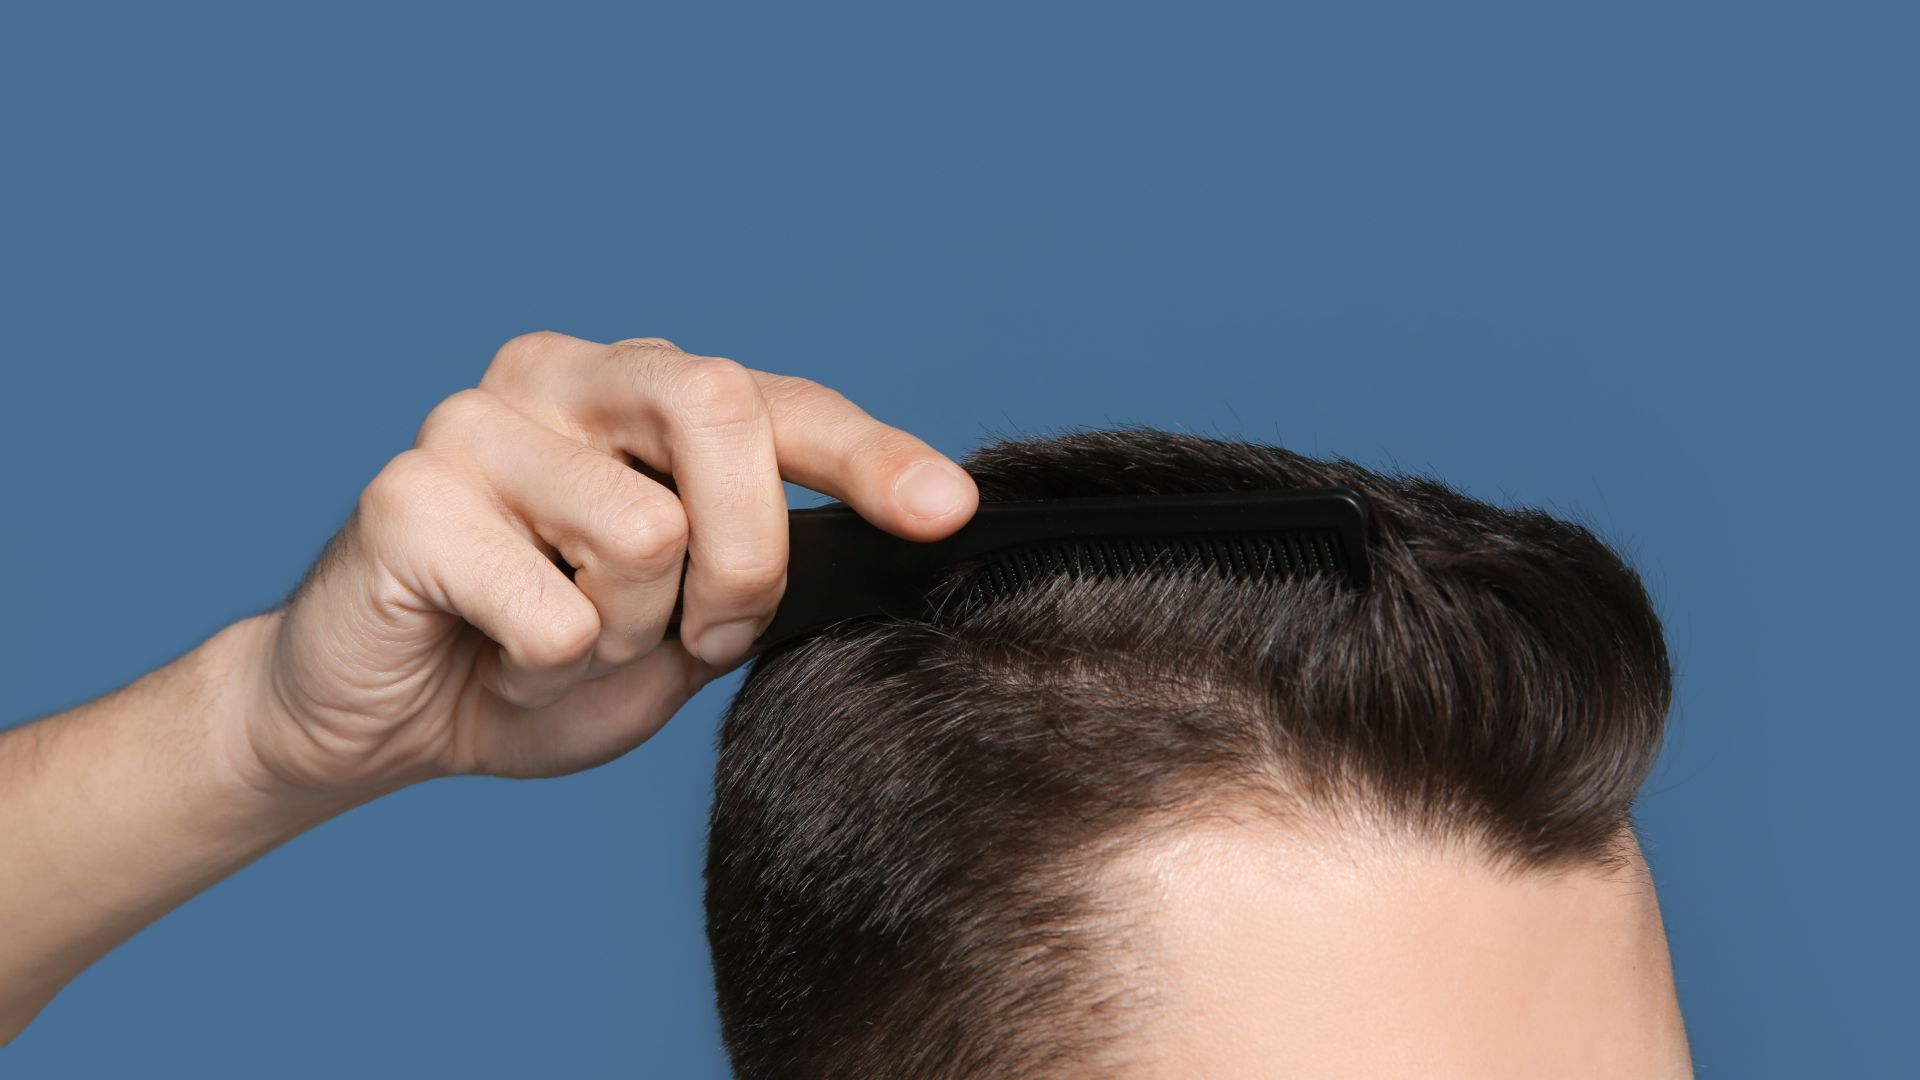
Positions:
{"x": 1259, "y": 950}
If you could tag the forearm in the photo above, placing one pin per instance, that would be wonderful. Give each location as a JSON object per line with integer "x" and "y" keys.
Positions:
{"x": 499, "y": 602}
{"x": 118, "y": 811}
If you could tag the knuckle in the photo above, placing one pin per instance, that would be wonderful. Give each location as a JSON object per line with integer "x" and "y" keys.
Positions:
{"x": 646, "y": 343}
{"x": 712, "y": 391}
{"x": 647, "y": 531}
{"x": 524, "y": 352}
{"x": 459, "y": 414}
{"x": 532, "y": 345}
{"x": 413, "y": 482}
{"x": 563, "y": 635}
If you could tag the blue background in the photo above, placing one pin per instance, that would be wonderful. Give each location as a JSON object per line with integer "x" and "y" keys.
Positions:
{"x": 1653, "y": 266}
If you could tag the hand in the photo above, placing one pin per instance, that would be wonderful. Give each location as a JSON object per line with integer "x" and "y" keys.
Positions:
{"x": 440, "y": 633}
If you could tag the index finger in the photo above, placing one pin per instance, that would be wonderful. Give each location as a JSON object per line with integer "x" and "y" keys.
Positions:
{"x": 892, "y": 478}
{"x": 821, "y": 440}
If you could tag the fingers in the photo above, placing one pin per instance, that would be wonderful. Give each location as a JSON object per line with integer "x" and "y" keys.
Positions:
{"x": 624, "y": 534}
{"x": 702, "y": 420}
{"x": 435, "y": 527}
{"x": 728, "y": 435}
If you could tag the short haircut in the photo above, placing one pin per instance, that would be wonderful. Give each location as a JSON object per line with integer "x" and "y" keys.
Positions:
{"x": 910, "y": 819}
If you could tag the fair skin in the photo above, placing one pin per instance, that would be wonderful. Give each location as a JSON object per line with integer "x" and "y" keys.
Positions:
{"x": 439, "y": 637}
{"x": 1364, "y": 951}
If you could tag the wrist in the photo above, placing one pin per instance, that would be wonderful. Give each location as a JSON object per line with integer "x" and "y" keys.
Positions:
{"x": 248, "y": 727}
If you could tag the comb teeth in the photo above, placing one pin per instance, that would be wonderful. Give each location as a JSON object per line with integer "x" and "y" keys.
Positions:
{"x": 1231, "y": 554}
{"x": 843, "y": 567}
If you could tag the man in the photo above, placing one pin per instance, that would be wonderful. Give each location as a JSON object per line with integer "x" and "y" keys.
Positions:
{"x": 1386, "y": 834}
{"x": 1179, "y": 824}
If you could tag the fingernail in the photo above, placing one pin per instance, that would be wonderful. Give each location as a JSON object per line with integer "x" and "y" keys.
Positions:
{"x": 725, "y": 644}
{"x": 928, "y": 490}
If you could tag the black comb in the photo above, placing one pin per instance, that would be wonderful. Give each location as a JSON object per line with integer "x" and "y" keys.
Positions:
{"x": 840, "y": 566}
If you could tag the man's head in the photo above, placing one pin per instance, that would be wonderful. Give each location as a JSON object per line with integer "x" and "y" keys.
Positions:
{"x": 1186, "y": 824}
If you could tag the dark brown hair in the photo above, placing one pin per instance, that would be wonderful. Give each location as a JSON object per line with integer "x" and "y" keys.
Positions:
{"x": 908, "y": 816}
